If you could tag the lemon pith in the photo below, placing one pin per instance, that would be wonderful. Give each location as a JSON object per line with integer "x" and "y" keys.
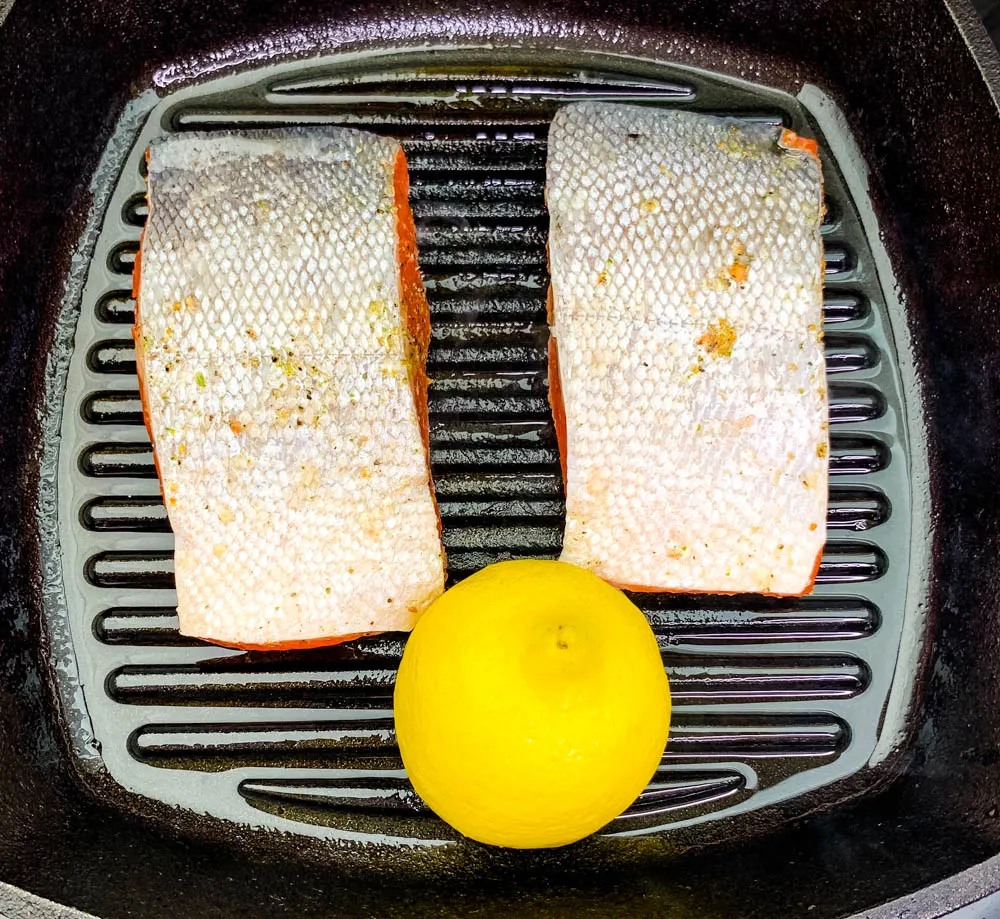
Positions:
{"x": 531, "y": 704}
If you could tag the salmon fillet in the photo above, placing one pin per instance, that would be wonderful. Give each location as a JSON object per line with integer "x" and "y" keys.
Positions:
{"x": 688, "y": 381}
{"x": 281, "y": 334}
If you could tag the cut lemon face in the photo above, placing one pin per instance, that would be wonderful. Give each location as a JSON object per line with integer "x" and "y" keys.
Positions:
{"x": 532, "y": 706}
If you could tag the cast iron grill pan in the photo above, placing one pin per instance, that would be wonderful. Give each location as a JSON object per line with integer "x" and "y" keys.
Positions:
{"x": 773, "y": 697}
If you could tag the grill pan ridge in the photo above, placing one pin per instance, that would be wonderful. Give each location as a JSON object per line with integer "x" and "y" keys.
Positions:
{"x": 774, "y": 698}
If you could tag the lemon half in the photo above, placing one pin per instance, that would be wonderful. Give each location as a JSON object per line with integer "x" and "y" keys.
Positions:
{"x": 531, "y": 704}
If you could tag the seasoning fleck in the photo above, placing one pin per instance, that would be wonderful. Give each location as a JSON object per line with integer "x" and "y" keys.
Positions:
{"x": 719, "y": 340}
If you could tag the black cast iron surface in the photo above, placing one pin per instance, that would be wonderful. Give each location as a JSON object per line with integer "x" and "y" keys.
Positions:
{"x": 916, "y": 103}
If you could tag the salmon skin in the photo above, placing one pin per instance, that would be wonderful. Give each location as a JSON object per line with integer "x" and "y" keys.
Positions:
{"x": 688, "y": 381}
{"x": 281, "y": 335}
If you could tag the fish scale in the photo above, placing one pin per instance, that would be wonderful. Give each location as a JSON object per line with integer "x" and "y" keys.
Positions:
{"x": 687, "y": 271}
{"x": 279, "y": 371}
